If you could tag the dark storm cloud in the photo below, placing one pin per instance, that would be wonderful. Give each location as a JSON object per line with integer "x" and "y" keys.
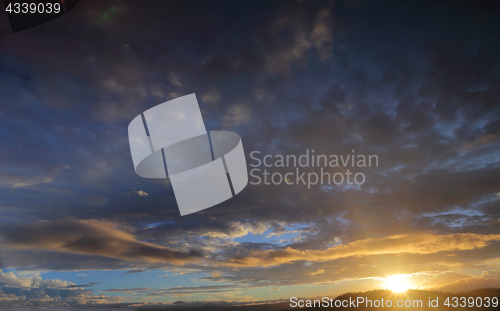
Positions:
{"x": 415, "y": 83}
{"x": 91, "y": 237}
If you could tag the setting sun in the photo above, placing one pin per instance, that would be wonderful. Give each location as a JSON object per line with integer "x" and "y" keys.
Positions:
{"x": 397, "y": 283}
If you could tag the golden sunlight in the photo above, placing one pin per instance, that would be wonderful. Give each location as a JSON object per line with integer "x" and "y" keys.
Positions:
{"x": 397, "y": 283}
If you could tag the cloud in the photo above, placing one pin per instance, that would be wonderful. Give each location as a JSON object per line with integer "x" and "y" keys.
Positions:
{"x": 18, "y": 290}
{"x": 319, "y": 271}
{"x": 137, "y": 271}
{"x": 84, "y": 285}
{"x": 91, "y": 236}
{"x": 237, "y": 114}
{"x": 423, "y": 243}
{"x": 289, "y": 39}
{"x": 174, "y": 79}
{"x": 332, "y": 77}
{"x": 103, "y": 238}
{"x": 141, "y": 193}
{"x": 322, "y": 35}
{"x": 117, "y": 290}
{"x": 211, "y": 97}
{"x": 464, "y": 283}
{"x": 31, "y": 182}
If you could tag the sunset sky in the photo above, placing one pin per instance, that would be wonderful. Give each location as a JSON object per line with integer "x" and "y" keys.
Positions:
{"x": 416, "y": 83}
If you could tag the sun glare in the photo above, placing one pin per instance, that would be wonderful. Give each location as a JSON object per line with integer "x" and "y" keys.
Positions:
{"x": 397, "y": 283}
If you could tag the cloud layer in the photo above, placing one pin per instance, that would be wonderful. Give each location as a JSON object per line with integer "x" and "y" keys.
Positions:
{"x": 414, "y": 83}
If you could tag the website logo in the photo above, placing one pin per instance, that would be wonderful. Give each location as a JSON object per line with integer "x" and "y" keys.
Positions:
{"x": 205, "y": 168}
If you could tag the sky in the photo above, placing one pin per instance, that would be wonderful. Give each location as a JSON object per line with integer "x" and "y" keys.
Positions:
{"x": 416, "y": 83}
